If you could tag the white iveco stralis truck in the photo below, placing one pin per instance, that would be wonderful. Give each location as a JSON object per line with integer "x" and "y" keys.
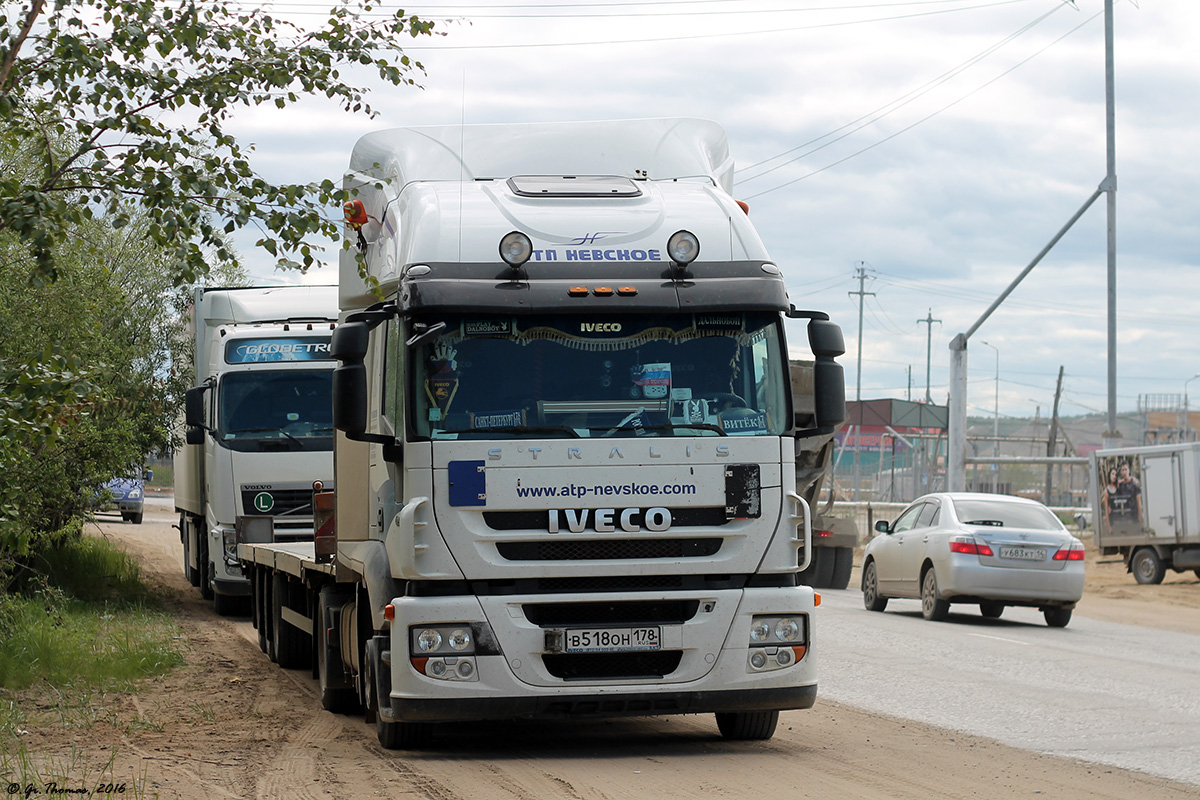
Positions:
{"x": 259, "y": 427}
{"x": 566, "y": 449}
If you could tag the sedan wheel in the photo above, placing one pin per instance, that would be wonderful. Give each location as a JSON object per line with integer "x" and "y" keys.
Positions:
{"x": 1057, "y": 617}
{"x": 992, "y": 609}
{"x": 932, "y": 607}
{"x": 871, "y": 597}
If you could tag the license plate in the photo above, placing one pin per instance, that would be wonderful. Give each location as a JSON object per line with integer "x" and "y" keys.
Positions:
{"x": 612, "y": 640}
{"x": 1023, "y": 553}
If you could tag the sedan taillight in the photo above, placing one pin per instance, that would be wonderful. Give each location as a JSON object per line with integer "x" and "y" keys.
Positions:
{"x": 965, "y": 544}
{"x": 1073, "y": 553}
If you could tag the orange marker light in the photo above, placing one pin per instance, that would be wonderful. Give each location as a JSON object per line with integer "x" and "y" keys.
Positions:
{"x": 602, "y": 291}
{"x": 578, "y": 291}
{"x": 816, "y": 598}
{"x": 356, "y": 214}
{"x": 744, "y": 206}
{"x": 626, "y": 291}
{"x": 389, "y": 612}
{"x": 419, "y": 664}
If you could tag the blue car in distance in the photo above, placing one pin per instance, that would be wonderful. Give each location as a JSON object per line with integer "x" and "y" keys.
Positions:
{"x": 127, "y": 496}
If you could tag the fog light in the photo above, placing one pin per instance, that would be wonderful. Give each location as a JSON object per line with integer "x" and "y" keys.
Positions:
{"x": 466, "y": 669}
{"x": 429, "y": 640}
{"x": 515, "y": 249}
{"x": 683, "y": 247}
{"x": 784, "y": 656}
{"x": 437, "y": 668}
{"x": 758, "y": 659}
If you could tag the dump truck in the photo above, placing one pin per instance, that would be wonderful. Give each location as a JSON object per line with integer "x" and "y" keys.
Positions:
{"x": 566, "y": 453}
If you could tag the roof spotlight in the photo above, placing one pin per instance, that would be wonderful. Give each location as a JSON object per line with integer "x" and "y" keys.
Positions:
{"x": 515, "y": 249}
{"x": 683, "y": 247}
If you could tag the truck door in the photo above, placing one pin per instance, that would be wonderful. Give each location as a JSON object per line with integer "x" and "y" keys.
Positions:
{"x": 1161, "y": 496}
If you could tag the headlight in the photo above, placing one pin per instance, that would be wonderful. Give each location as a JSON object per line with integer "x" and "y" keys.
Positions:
{"x": 429, "y": 640}
{"x": 778, "y": 630}
{"x": 460, "y": 639}
{"x": 134, "y": 494}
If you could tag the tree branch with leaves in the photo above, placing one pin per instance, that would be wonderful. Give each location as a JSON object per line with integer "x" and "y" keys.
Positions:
{"x": 144, "y": 93}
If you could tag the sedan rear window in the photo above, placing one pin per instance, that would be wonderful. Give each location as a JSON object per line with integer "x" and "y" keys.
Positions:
{"x": 998, "y": 514}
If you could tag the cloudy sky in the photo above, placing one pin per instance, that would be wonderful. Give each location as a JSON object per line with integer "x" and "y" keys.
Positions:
{"x": 935, "y": 147}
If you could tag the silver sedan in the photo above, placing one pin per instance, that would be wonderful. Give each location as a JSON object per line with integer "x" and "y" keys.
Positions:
{"x": 986, "y": 549}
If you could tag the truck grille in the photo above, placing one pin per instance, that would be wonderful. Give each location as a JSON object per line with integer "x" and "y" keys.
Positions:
{"x": 612, "y": 666}
{"x": 540, "y": 520}
{"x": 638, "y": 612}
{"x": 608, "y": 549}
{"x": 286, "y": 502}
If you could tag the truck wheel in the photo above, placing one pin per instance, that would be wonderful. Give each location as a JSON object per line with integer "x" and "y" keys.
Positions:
{"x": 206, "y": 574}
{"x": 391, "y": 735}
{"x": 1146, "y": 566}
{"x": 290, "y": 648}
{"x": 932, "y": 607}
{"x": 747, "y": 725}
{"x": 819, "y": 573}
{"x": 843, "y": 564}
{"x": 227, "y": 605}
{"x": 872, "y": 599}
{"x": 335, "y": 695}
{"x": 1057, "y": 617}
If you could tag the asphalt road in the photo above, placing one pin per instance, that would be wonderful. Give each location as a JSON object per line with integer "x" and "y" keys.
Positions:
{"x": 1099, "y": 691}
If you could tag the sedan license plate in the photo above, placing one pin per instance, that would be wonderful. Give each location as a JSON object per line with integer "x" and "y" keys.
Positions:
{"x": 612, "y": 640}
{"x": 1023, "y": 553}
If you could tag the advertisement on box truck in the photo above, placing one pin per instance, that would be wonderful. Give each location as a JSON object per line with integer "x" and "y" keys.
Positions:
{"x": 567, "y": 447}
{"x": 259, "y": 427}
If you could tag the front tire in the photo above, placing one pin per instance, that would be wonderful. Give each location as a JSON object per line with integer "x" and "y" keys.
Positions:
{"x": 1147, "y": 567}
{"x": 744, "y": 726}
{"x": 335, "y": 695}
{"x": 932, "y": 606}
{"x": 391, "y": 735}
{"x": 872, "y": 599}
{"x": 1057, "y": 617}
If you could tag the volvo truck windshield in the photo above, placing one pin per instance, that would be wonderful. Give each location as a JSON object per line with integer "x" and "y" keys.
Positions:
{"x": 276, "y": 410}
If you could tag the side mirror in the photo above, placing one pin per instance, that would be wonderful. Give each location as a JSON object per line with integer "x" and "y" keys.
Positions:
{"x": 829, "y": 382}
{"x": 194, "y": 436}
{"x": 193, "y": 407}
{"x": 349, "y": 344}
{"x": 350, "y": 398}
{"x": 882, "y": 525}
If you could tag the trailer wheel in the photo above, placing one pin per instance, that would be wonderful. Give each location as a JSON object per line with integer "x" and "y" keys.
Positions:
{"x": 747, "y": 725}
{"x": 1146, "y": 566}
{"x": 843, "y": 564}
{"x": 290, "y": 647}
{"x": 336, "y": 695}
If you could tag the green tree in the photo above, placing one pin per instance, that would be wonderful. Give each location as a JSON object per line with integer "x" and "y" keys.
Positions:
{"x": 144, "y": 91}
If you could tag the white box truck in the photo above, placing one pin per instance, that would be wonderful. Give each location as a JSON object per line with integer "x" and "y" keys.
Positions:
{"x": 259, "y": 426}
{"x": 1146, "y": 507}
{"x": 566, "y": 451}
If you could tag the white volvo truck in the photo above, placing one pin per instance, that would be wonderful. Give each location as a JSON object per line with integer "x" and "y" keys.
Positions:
{"x": 259, "y": 426}
{"x": 566, "y": 451}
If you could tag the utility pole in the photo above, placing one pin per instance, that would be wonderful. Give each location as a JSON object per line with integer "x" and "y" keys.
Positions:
{"x": 1110, "y": 188}
{"x": 862, "y": 278}
{"x": 929, "y": 320}
{"x": 1051, "y": 442}
{"x": 908, "y": 370}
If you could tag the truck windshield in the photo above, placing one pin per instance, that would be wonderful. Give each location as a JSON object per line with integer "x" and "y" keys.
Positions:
{"x": 592, "y": 376}
{"x": 277, "y": 410}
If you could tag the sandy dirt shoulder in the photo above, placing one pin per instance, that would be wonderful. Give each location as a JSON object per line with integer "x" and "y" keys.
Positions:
{"x": 232, "y": 725}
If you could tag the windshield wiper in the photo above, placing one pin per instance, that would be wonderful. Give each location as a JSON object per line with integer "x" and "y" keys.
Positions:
{"x": 517, "y": 429}
{"x": 269, "y": 430}
{"x": 665, "y": 426}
